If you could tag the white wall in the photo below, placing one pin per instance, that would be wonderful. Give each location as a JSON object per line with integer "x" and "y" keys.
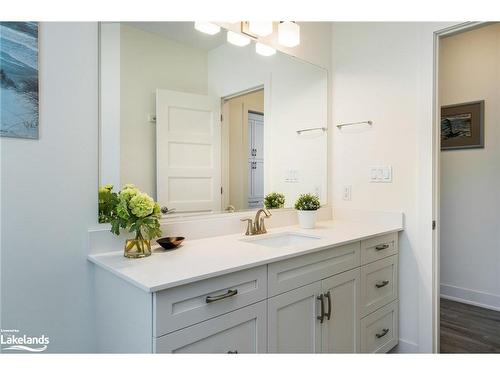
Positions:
{"x": 149, "y": 62}
{"x": 470, "y": 179}
{"x": 384, "y": 72}
{"x": 49, "y": 197}
{"x": 295, "y": 97}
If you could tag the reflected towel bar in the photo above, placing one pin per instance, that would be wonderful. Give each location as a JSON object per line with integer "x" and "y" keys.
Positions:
{"x": 369, "y": 122}
{"x": 311, "y": 129}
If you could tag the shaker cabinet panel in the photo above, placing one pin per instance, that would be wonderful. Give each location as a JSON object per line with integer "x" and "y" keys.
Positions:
{"x": 240, "y": 331}
{"x": 293, "y": 326}
{"x": 340, "y": 328}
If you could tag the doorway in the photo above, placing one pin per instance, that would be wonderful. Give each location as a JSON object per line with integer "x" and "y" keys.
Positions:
{"x": 467, "y": 165}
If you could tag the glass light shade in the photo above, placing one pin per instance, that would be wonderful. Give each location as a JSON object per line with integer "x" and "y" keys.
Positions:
{"x": 288, "y": 34}
{"x": 237, "y": 39}
{"x": 264, "y": 50}
{"x": 207, "y": 27}
{"x": 260, "y": 28}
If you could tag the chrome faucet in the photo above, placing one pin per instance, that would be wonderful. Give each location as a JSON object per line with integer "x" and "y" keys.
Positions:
{"x": 257, "y": 226}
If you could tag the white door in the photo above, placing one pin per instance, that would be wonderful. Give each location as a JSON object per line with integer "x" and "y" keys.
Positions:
{"x": 188, "y": 151}
{"x": 340, "y": 330}
{"x": 292, "y": 323}
{"x": 240, "y": 331}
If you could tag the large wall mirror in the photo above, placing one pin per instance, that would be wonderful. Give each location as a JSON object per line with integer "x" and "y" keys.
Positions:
{"x": 204, "y": 126}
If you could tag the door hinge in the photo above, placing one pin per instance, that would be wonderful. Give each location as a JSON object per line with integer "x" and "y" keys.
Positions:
{"x": 433, "y": 224}
{"x": 221, "y": 189}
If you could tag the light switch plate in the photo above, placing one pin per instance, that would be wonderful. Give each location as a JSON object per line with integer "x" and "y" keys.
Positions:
{"x": 381, "y": 174}
{"x": 347, "y": 192}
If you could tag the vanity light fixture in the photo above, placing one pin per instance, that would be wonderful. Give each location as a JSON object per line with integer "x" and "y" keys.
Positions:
{"x": 237, "y": 39}
{"x": 207, "y": 27}
{"x": 260, "y": 28}
{"x": 288, "y": 34}
{"x": 264, "y": 50}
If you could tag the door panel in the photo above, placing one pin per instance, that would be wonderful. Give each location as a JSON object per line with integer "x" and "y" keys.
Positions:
{"x": 340, "y": 333}
{"x": 292, "y": 323}
{"x": 188, "y": 143}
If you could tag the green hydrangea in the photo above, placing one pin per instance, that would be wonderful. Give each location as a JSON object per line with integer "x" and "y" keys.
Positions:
{"x": 128, "y": 192}
{"x": 122, "y": 209}
{"x": 142, "y": 205}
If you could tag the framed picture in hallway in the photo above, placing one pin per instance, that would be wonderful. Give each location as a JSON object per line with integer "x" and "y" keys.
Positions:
{"x": 19, "y": 79}
{"x": 462, "y": 126}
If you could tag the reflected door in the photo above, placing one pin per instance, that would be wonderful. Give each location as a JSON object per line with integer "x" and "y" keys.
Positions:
{"x": 188, "y": 151}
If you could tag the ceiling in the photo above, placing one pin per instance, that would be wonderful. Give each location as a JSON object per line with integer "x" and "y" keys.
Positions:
{"x": 182, "y": 32}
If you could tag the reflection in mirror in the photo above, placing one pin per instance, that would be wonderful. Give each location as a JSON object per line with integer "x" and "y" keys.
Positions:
{"x": 205, "y": 126}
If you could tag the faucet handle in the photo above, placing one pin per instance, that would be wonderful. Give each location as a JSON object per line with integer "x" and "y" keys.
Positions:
{"x": 249, "y": 226}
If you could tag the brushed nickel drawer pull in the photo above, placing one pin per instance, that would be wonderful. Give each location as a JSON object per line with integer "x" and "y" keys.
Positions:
{"x": 384, "y": 332}
{"x": 381, "y": 284}
{"x": 329, "y": 313}
{"x": 321, "y": 317}
{"x": 230, "y": 293}
{"x": 232, "y": 352}
{"x": 382, "y": 247}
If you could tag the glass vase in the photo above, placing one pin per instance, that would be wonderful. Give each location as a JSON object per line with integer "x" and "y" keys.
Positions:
{"x": 137, "y": 248}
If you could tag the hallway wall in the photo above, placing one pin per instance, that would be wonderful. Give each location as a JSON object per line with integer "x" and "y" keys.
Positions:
{"x": 470, "y": 179}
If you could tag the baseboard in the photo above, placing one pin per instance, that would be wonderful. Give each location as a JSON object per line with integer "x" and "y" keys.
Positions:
{"x": 405, "y": 346}
{"x": 470, "y": 297}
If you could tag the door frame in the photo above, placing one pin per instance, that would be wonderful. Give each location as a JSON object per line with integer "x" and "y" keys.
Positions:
{"x": 436, "y": 173}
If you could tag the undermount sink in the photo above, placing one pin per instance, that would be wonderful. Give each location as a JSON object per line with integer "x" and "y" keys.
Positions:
{"x": 281, "y": 239}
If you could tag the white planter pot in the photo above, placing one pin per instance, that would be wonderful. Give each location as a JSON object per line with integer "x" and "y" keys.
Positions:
{"x": 307, "y": 219}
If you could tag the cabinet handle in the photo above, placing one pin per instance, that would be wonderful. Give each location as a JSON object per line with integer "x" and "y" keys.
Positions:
{"x": 230, "y": 293}
{"x": 384, "y": 332}
{"x": 232, "y": 352}
{"x": 329, "y": 297}
{"x": 321, "y": 317}
{"x": 381, "y": 284}
{"x": 381, "y": 247}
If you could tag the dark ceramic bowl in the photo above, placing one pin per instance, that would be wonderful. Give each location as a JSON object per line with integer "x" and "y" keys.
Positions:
{"x": 169, "y": 243}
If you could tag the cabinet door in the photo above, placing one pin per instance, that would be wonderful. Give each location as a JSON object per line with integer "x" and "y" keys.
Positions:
{"x": 293, "y": 326}
{"x": 258, "y": 179}
{"x": 240, "y": 331}
{"x": 340, "y": 332}
{"x": 258, "y": 136}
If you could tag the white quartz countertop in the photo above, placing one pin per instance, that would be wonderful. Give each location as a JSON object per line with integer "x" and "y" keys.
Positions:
{"x": 204, "y": 258}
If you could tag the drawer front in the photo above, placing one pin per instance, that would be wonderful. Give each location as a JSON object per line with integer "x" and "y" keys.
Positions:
{"x": 379, "y": 247}
{"x": 193, "y": 303}
{"x": 296, "y": 272}
{"x": 379, "y": 284}
{"x": 240, "y": 331}
{"x": 379, "y": 330}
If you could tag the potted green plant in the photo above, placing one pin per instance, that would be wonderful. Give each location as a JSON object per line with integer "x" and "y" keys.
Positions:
{"x": 307, "y": 206}
{"x": 274, "y": 200}
{"x": 138, "y": 213}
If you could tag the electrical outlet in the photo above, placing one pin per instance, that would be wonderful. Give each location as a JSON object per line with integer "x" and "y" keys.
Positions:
{"x": 347, "y": 192}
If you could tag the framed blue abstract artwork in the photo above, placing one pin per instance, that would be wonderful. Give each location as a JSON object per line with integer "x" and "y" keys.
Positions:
{"x": 19, "y": 79}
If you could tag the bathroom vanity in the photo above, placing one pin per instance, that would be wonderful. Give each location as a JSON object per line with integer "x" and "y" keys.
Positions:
{"x": 333, "y": 289}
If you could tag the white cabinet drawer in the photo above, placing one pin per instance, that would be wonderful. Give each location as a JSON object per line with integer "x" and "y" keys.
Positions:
{"x": 379, "y": 247}
{"x": 379, "y": 284}
{"x": 379, "y": 330}
{"x": 296, "y": 272}
{"x": 193, "y": 303}
{"x": 240, "y": 331}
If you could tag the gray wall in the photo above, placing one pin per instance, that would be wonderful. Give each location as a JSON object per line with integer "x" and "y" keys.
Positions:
{"x": 48, "y": 191}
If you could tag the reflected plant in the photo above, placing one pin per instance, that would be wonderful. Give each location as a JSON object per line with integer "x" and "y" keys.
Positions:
{"x": 274, "y": 200}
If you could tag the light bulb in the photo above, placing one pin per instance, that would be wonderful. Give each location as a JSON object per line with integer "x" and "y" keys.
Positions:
{"x": 207, "y": 27}
{"x": 288, "y": 34}
{"x": 237, "y": 39}
{"x": 260, "y": 28}
{"x": 264, "y": 50}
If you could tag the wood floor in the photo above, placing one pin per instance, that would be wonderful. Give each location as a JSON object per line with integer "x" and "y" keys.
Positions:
{"x": 469, "y": 329}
